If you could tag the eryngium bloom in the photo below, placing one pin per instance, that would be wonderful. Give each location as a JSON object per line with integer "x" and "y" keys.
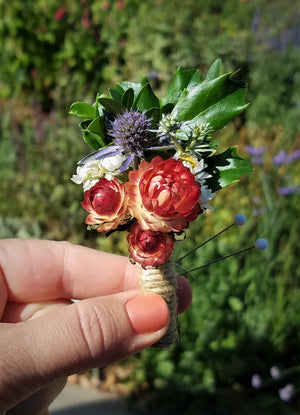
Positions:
{"x": 163, "y": 195}
{"x": 106, "y": 204}
{"x": 130, "y": 132}
{"x": 148, "y": 248}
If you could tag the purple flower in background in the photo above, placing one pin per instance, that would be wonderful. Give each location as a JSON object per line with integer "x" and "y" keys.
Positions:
{"x": 283, "y": 158}
{"x": 256, "y": 153}
{"x": 256, "y": 381}
{"x": 275, "y": 372}
{"x": 280, "y": 158}
{"x": 288, "y": 190}
{"x": 293, "y": 156}
{"x": 257, "y": 160}
{"x": 287, "y": 392}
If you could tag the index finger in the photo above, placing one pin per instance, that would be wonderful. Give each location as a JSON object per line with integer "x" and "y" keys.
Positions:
{"x": 37, "y": 270}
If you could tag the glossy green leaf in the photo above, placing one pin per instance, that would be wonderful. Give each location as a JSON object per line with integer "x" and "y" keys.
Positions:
{"x": 198, "y": 99}
{"x": 97, "y": 126}
{"x": 136, "y": 86}
{"x": 226, "y": 168}
{"x": 223, "y": 111}
{"x": 82, "y": 109}
{"x": 93, "y": 132}
{"x": 119, "y": 89}
{"x": 112, "y": 106}
{"x": 116, "y": 95}
{"x": 154, "y": 114}
{"x": 214, "y": 70}
{"x": 84, "y": 124}
{"x": 146, "y": 98}
{"x": 93, "y": 140}
{"x": 167, "y": 108}
{"x": 128, "y": 97}
{"x": 180, "y": 82}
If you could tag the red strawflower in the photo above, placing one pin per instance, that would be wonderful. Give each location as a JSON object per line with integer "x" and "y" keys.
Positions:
{"x": 149, "y": 248}
{"x": 163, "y": 195}
{"x": 106, "y": 203}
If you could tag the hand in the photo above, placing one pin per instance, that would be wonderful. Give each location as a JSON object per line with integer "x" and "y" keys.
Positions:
{"x": 45, "y": 336}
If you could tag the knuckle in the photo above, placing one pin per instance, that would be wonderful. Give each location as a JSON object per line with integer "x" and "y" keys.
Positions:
{"x": 98, "y": 329}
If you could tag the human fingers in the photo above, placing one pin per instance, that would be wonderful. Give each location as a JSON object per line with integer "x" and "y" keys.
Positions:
{"x": 39, "y": 401}
{"x": 17, "y": 312}
{"x": 89, "y": 333}
{"x": 184, "y": 294}
{"x": 37, "y": 270}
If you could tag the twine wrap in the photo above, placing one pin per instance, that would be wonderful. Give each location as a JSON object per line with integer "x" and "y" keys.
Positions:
{"x": 163, "y": 281}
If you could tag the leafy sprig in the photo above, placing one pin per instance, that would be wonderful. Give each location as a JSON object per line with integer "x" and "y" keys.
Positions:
{"x": 188, "y": 115}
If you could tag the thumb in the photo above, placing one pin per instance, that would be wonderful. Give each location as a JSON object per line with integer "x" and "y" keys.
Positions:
{"x": 89, "y": 333}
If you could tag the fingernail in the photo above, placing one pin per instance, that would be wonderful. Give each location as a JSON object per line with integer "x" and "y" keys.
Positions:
{"x": 147, "y": 313}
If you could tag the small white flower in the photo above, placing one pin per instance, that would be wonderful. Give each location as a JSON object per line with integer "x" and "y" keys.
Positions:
{"x": 200, "y": 173}
{"x": 89, "y": 173}
{"x": 206, "y": 196}
{"x": 197, "y": 168}
{"x": 112, "y": 164}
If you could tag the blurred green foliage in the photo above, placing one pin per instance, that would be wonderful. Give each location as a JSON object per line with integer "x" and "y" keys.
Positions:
{"x": 245, "y": 315}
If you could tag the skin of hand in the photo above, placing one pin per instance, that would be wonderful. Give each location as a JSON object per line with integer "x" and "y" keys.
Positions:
{"x": 45, "y": 336}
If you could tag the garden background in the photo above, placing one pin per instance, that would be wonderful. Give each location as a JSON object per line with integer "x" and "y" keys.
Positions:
{"x": 239, "y": 347}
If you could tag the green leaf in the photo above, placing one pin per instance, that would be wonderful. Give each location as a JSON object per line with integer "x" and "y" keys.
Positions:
{"x": 180, "y": 82}
{"x": 112, "y": 106}
{"x": 119, "y": 89}
{"x": 167, "y": 108}
{"x": 124, "y": 85}
{"x": 153, "y": 113}
{"x": 223, "y": 111}
{"x": 93, "y": 140}
{"x": 97, "y": 126}
{"x": 198, "y": 99}
{"x": 82, "y": 109}
{"x": 116, "y": 95}
{"x": 226, "y": 168}
{"x": 214, "y": 71}
{"x": 93, "y": 132}
{"x": 128, "y": 97}
{"x": 146, "y": 98}
{"x": 235, "y": 303}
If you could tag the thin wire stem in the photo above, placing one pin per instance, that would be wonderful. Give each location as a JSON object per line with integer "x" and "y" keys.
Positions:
{"x": 219, "y": 259}
{"x": 205, "y": 242}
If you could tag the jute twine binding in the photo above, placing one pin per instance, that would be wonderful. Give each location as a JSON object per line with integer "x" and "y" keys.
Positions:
{"x": 163, "y": 281}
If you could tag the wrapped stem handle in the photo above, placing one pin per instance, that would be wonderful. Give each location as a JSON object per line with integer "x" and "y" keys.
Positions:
{"x": 163, "y": 281}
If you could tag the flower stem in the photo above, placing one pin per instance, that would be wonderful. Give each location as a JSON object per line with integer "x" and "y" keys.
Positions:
{"x": 177, "y": 144}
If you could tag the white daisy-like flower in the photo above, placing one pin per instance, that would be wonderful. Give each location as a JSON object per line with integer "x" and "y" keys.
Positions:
{"x": 197, "y": 167}
{"x": 206, "y": 196}
{"x": 89, "y": 173}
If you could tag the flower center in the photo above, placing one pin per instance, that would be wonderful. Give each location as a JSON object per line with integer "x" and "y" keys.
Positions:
{"x": 150, "y": 243}
{"x": 105, "y": 201}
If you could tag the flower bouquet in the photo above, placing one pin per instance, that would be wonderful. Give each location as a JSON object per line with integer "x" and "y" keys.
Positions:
{"x": 154, "y": 167}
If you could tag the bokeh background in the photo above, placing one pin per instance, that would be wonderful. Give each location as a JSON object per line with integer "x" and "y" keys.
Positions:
{"x": 239, "y": 347}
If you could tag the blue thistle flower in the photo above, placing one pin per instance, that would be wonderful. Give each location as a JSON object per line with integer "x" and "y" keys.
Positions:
{"x": 131, "y": 136}
{"x": 130, "y": 132}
